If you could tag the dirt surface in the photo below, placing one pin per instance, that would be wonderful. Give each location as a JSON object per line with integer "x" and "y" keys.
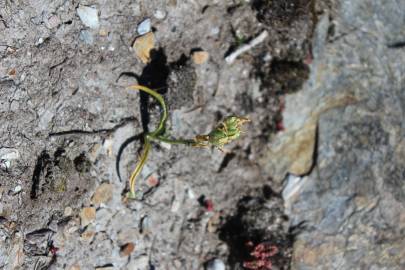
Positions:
{"x": 71, "y": 133}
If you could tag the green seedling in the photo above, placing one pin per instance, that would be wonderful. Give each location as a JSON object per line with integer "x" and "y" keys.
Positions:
{"x": 225, "y": 132}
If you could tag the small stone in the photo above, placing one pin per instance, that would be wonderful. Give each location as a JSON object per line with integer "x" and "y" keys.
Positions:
{"x": 190, "y": 193}
{"x": 127, "y": 249}
{"x": 87, "y": 215}
{"x": 200, "y": 57}
{"x": 17, "y": 189}
{"x": 103, "y": 194}
{"x": 144, "y": 27}
{"x": 40, "y": 41}
{"x": 159, "y": 14}
{"x": 215, "y": 264}
{"x": 68, "y": 211}
{"x": 168, "y": 146}
{"x": 88, "y": 16}
{"x": 143, "y": 45}
{"x": 103, "y": 32}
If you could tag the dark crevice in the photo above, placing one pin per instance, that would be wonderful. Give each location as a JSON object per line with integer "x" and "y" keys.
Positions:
{"x": 122, "y": 123}
{"x": 396, "y": 45}
{"x": 43, "y": 160}
{"x": 228, "y": 157}
{"x": 43, "y": 231}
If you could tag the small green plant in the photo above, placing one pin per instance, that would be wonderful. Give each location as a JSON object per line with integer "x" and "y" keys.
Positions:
{"x": 226, "y": 131}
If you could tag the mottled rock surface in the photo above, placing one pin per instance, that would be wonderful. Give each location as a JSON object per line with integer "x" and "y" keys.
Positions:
{"x": 350, "y": 205}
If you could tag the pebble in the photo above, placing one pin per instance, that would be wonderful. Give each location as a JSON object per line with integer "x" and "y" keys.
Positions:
{"x": 144, "y": 27}
{"x": 159, "y": 14}
{"x": 88, "y": 16}
{"x": 39, "y": 41}
{"x": 143, "y": 45}
{"x": 87, "y": 215}
{"x": 68, "y": 211}
{"x": 215, "y": 264}
{"x": 103, "y": 194}
{"x": 191, "y": 194}
{"x": 200, "y": 57}
{"x": 17, "y": 189}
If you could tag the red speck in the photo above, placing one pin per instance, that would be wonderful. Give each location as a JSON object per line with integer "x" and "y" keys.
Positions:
{"x": 53, "y": 250}
{"x": 209, "y": 205}
{"x": 279, "y": 126}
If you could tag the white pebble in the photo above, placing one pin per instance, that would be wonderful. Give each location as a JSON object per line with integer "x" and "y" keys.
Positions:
{"x": 215, "y": 264}
{"x": 190, "y": 194}
{"x": 89, "y": 16}
{"x": 159, "y": 14}
{"x": 144, "y": 27}
{"x": 17, "y": 189}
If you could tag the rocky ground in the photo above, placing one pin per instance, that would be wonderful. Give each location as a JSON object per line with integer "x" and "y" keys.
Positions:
{"x": 315, "y": 182}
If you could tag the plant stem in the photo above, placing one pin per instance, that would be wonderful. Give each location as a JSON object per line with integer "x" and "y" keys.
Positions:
{"x": 161, "y": 127}
{"x": 139, "y": 167}
{"x": 172, "y": 141}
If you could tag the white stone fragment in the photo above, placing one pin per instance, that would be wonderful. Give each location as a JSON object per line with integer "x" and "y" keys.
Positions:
{"x": 292, "y": 187}
{"x": 88, "y": 16}
{"x": 159, "y": 14}
{"x": 17, "y": 189}
{"x": 215, "y": 264}
{"x": 144, "y": 27}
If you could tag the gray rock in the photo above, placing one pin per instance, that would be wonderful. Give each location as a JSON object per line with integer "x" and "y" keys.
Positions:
{"x": 350, "y": 205}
